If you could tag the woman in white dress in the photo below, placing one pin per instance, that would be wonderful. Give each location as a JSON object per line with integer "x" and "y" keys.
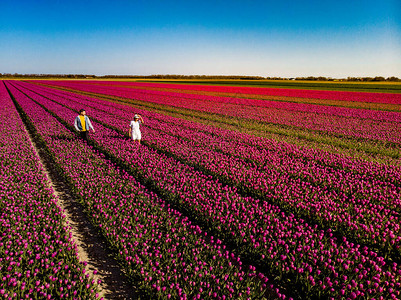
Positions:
{"x": 134, "y": 131}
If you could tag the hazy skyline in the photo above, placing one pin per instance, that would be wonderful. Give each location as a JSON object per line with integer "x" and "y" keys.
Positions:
{"x": 264, "y": 38}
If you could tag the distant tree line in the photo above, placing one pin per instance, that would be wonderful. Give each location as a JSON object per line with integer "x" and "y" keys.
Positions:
{"x": 194, "y": 77}
{"x": 16, "y": 75}
{"x": 320, "y": 78}
{"x": 161, "y": 76}
{"x": 377, "y": 78}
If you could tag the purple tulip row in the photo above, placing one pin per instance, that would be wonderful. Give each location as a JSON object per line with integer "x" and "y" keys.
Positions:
{"x": 172, "y": 257}
{"x": 355, "y": 204}
{"x": 38, "y": 257}
{"x": 312, "y": 259}
{"x": 348, "y": 122}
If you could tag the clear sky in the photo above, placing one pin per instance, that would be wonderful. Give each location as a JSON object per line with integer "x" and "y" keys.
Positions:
{"x": 266, "y": 38}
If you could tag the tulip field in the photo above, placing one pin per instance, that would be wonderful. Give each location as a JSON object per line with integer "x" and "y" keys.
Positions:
{"x": 234, "y": 192}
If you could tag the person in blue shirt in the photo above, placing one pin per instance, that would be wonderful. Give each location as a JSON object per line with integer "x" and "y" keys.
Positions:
{"x": 83, "y": 124}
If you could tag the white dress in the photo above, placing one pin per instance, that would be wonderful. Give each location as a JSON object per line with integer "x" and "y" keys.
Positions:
{"x": 136, "y": 133}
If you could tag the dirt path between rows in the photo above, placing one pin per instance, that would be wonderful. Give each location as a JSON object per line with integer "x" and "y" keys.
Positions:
{"x": 91, "y": 246}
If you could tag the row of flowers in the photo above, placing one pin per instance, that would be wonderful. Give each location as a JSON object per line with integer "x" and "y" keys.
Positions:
{"x": 312, "y": 260}
{"x": 38, "y": 257}
{"x": 348, "y": 198}
{"x": 160, "y": 249}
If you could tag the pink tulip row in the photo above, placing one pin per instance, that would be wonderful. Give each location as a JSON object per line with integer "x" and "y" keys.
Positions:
{"x": 298, "y": 93}
{"x": 347, "y": 122}
{"x": 289, "y": 246}
{"x": 172, "y": 257}
{"x": 351, "y": 201}
{"x": 38, "y": 257}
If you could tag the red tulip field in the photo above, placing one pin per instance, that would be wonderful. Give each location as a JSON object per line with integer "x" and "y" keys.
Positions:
{"x": 233, "y": 192}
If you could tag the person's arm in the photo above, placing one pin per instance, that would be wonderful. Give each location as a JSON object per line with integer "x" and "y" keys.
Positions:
{"x": 89, "y": 124}
{"x": 141, "y": 119}
{"x": 76, "y": 124}
{"x": 130, "y": 130}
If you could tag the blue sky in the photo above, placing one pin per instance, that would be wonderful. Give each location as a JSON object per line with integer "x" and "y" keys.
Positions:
{"x": 265, "y": 38}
